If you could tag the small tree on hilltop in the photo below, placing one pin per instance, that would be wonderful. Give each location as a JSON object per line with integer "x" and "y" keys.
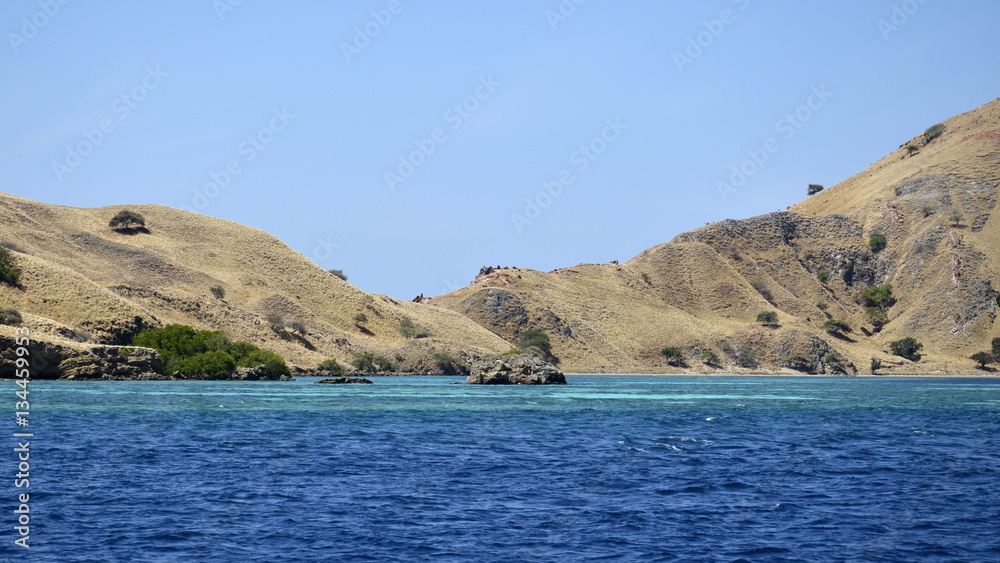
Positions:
{"x": 814, "y": 189}
{"x": 537, "y": 343}
{"x": 339, "y": 273}
{"x": 127, "y": 221}
{"x": 933, "y": 132}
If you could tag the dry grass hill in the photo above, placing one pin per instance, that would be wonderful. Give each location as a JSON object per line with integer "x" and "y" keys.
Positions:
{"x": 932, "y": 200}
{"x": 703, "y": 290}
{"x": 82, "y": 280}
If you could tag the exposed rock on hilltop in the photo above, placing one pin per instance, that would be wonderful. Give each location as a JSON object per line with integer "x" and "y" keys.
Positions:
{"x": 515, "y": 370}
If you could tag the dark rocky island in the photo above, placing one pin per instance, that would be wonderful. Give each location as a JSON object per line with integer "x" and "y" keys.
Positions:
{"x": 515, "y": 370}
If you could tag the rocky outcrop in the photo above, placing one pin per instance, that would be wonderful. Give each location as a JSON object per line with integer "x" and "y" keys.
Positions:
{"x": 53, "y": 360}
{"x": 259, "y": 373}
{"x": 515, "y": 370}
{"x": 341, "y": 380}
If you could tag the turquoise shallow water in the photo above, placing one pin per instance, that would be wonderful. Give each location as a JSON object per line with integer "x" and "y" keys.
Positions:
{"x": 605, "y": 468}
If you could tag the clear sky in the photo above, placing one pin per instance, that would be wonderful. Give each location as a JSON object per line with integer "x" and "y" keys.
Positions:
{"x": 410, "y": 143}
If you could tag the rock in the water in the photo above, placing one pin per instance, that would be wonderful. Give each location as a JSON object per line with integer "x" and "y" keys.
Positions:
{"x": 345, "y": 380}
{"x": 259, "y": 373}
{"x": 52, "y": 360}
{"x": 515, "y": 370}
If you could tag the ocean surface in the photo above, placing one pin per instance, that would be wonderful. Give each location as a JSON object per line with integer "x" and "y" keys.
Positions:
{"x": 602, "y": 469}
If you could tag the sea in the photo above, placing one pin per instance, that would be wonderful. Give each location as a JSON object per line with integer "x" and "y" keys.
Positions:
{"x": 606, "y": 468}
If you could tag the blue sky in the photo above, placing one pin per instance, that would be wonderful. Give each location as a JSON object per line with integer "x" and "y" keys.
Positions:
{"x": 409, "y": 143}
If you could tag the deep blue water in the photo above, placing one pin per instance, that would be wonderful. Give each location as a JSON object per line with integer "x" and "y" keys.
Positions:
{"x": 605, "y": 468}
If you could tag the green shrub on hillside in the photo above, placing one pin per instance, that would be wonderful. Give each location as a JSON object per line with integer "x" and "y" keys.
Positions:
{"x": 768, "y": 318}
{"x": 834, "y": 326}
{"x": 814, "y": 189}
{"x": 372, "y": 364}
{"x": 210, "y": 354}
{"x": 673, "y": 355}
{"x": 710, "y": 357}
{"x": 10, "y": 316}
{"x": 298, "y": 326}
{"x": 822, "y": 277}
{"x": 408, "y": 329}
{"x": 9, "y": 272}
{"x": 763, "y": 290}
{"x": 217, "y": 291}
{"x": 877, "y": 242}
{"x": 276, "y": 321}
{"x": 332, "y": 366}
{"x": 908, "y": 348}
{"x": 995, "y": 344}
{"x": 879, "y": 296}
{"x": 536, "y": 342}
{"x": 876, "y": 364}
{"x": 339, "y": 273}
{"x": 983, "y": 359}
{"x": 933, "y": 132}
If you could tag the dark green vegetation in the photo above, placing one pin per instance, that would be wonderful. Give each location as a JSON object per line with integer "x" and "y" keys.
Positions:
{"x": 878, "y": 299}
{"x": 933, "y": 132}
{"x": 908, "y": 348}
{"x": 276, "y": 321}
{"x": 983, "y": 359}
{"x": 372, "y": 364}
{"x": 822, "y": 277}
{"x": 763, "y": 290}
{"x": 536, "y": 342}
{"x": 768, "y": 318}
{"x": 673, "y": 355}
{"x": 814, "y": 189}
{"x": 127, "y": 221}
{"x": 332, "y": 366}
{"x": 9, "y": 272}
{"x": 834, "y": 326}
{"x": 10, "y": 316}
{"x": 875, "y": 365}
{"x": 408, "y": 329}
{"x": 877, "y": 242}
{"x": 206, "y": 353}
{"x": 710, "y": 357}
{"x": 339, "y": 273}
{"x": 912, "y": 150}
{"x": 217, "y": 291}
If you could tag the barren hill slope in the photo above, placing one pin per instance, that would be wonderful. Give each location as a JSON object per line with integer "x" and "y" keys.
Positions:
{"x": 83, "y": 280}
{"x": 703, "y": 290}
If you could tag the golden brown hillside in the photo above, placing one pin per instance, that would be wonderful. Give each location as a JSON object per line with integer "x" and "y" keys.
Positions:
{"x": 83, "y": 280}
{"x": 703, "y": 290}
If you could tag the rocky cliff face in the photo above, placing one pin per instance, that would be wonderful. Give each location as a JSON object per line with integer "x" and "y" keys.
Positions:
{"x": 52, "y": 360}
